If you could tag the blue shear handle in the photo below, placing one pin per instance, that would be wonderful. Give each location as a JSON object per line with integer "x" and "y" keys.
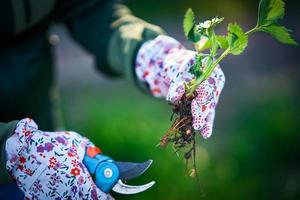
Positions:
{"x": 106, "y": 172}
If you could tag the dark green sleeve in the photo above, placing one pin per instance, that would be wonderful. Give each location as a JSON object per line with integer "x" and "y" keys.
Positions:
{"x": 111, "y": 33}
{"x": 129, "y": 32}
{"x": 6, "y": 129}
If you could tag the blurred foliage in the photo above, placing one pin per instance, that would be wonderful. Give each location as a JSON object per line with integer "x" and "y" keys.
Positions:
{"x": 256, "y": 157}
{"x": 253, "y": 153}
{"x": 171, "y": 8}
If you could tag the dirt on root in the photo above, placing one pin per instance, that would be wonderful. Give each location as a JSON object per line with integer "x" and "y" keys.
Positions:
{"x": 181, "y": 134}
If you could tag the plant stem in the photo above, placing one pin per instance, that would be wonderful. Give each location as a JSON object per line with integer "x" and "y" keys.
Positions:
{"x": 194, "y": 159}
{"x": 207, "y": 73}
{"x": 253, "y": 30}
{"x": 211, "y": 67}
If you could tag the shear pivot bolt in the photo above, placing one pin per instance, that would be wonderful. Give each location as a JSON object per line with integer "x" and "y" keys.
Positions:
{"x": 108, "y": 173}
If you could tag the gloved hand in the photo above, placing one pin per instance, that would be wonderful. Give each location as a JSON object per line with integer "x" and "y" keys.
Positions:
{"x": 48, "y": 165}
{"x": 164, "y": 65}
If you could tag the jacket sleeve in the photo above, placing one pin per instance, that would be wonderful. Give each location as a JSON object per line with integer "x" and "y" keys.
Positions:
{"x": 111, "y": 33}
{"x": 6, "y": 129}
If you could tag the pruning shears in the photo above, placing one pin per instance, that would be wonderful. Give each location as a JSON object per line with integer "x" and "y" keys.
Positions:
{"x": 109, "y": 174}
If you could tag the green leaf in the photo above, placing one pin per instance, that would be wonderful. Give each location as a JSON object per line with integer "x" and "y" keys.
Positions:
{"x": 270, "y": 11}
{"x": 189, "y": 27}
{"x": 194, "y": 36}
{"x": 237, "y": 39}
{"x": 196, "y": 68}
{"x": 281, "y": 33}
{"x": 277, "y": 10}
{"x": 214, "y": 45}
{"x": 188, "y": 22}
{"x": 221, "y": 40}
{"x": 223, "y": 43}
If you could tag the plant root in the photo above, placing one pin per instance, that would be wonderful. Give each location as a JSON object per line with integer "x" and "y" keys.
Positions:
{"x": 181, "y": 133}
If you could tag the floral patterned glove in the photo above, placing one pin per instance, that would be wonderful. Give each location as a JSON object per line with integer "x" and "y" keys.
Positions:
{"x": 48, "y": 165}
{"x": 164, "y": 65}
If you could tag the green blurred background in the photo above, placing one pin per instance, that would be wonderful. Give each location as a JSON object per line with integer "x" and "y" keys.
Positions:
{"x": 254, "y": 150}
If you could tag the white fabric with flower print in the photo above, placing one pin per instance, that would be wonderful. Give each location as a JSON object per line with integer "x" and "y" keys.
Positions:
{"x": 48, "y": 165}
{"x": 164, "y": 65}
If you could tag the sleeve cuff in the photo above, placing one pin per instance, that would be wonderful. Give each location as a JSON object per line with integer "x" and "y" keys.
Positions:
{"x": 6, "y": 129}
{"x": 129, "y": 34}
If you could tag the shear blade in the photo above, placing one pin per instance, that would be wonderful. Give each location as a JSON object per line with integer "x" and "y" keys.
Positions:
{"x": 122, "y": 188}
{"x": 129, "y": 170}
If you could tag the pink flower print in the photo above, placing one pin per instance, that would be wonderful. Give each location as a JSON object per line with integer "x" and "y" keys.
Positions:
{"x": 74, "y": 163}
{"x": 13, "y": 158}
{"x": 156, "y": 81}
{"x": 57, "y": 165}
{"x": 20, "y": 167}
{"x": 180, "y": 89}
{"x": 26, "y": 132}
{"x": 191, "y": 61}
{"x": 22, "y": 159}
{"x": 75, "y": 171}
{"x": 48, "y": 146}
{"x": 40, "y": 149}
{"x": 60, "y": 140}
{"x": 54, "y": 178}
{"x": 203, "y": 108}
{"x": 94, "y": 194}
{"x": 29, "y": 172}
{"x": 152, "y": 62}
{"x": 211, "y": 81}
{"x": 37, "y": 187}
{"x": 156, "y": 91}
{"x": 145, "y": 74}
{"x": 52, "y": 162}
{"x": 72, "y": 152}
{"x": 74, "y": 189}
{"x": 160, "y": 64}
{"x": 80, "y": 180}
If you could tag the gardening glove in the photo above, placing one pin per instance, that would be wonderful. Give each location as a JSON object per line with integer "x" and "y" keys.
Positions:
{"x": 48, "y": 165}
{"x": 164, "y": 65}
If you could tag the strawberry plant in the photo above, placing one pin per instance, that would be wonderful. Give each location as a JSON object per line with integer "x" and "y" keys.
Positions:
{"x": 181, "y": 134}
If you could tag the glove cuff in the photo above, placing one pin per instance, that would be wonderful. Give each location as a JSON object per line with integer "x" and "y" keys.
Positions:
{"x": 19, "y": 139}
{"x": 149, "y": 64}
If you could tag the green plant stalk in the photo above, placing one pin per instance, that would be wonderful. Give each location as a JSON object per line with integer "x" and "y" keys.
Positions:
{"x": 206, "y": 74}
{"x": 193, "y": 86}
{"x": 253, "y": 30}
